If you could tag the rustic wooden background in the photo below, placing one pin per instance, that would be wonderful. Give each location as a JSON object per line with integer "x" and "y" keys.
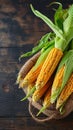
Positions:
{"x": 19, "y": 32}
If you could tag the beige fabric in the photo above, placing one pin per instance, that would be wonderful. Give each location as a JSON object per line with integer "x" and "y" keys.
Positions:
{"x": 51, "y": 113}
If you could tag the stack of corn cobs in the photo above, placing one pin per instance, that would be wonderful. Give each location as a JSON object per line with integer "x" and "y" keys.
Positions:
{"x": 48, "y": 74}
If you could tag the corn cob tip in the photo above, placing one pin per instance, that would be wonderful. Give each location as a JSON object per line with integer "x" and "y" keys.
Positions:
{"x": 34, "y": 98}
{"x": 29, "y": 94}
{"x": 39, "y": 85}
{"x": 61, "y": 109}
{"x": 41, "y": 110}
{"x": 23, "y": 99}
{"x": 52, "y": 99}
{"x": 18, "y": 79}
{"x": 23, "y": 83}
{"x": 57, "y": 106}
{"x": 54, "y": 95}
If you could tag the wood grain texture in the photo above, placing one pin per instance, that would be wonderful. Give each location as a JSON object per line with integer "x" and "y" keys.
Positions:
{"x": 17, "y": 22}
{"x": 10, "y": 95}
{"x": 19, "y": 123}
{"x": 19, "y": 32}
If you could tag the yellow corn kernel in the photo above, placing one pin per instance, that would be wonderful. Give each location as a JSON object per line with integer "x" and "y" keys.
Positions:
{"x": 26, "y": 67}
{"x": 48, "y": 67}
{"x": 46, "y": 102}
{"x": 66, "y": 92}
{"x": 30, "y": 86}
{"x": 58, "y": 79}
{"x": 31, "y": 76}
{"x": 40, "y": 92}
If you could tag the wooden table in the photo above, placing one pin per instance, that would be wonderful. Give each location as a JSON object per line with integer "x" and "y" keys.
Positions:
{"x": 19, "y": 32}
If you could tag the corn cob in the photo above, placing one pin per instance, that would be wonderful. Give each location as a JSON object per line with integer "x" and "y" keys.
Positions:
{"x": 40, "y": 92}
{"x": 30, "y": 86}
{"x": 33, "y": 73}
{"x": 48, "y": 67}
{"x": 31, "y": 89}
{"x": 63, "y": 36}
{"x": 63, "y": 74}
{"x": 45, "y": 43}
{"x": 57, "y": 82}
{"x": 46, "y": 102}
{"x": 26, "y": 67}
{"x": 31, "y": 76}
{"x": 66, "y": 92}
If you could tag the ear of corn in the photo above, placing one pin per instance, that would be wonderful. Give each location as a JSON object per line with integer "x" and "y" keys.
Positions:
{"x": 48, "y": 67}
{"x": 26, "y": 67}
{"x": 34, "y": 72}
{"x": 31, "y": 76}
{"x": 48, "y": 62}
{"x": 29, "y": 94}
{"x": 57, "y": 84}
{"x": 29, "y": 87}
{"x": 64, "y": 71}
{"x": 40, "y": 92}
{"x": 66, "y": 92}
{"x": 46, "y": 102}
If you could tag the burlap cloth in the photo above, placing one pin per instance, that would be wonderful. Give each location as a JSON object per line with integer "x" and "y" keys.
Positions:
{"x": 50, "y": 113}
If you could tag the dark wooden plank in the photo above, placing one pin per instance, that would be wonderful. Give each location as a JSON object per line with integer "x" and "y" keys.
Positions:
{"x": 28, "y": 123}
{"x": 18, "y": 25}
{"x": 10, "y": 95}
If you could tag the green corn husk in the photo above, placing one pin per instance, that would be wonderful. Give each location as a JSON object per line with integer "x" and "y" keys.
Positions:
{"x": 56, "y": 30}
{"x": 60, "y": 15}
{"x": 63, "y": 35}
{"x": 71, "y": 45}
{"x": 41, "y": 110}
{"x": 66, "y": 61}
{"x": 46, "y": 101}
{"x": 29, "y": 94}
{"x": 44, "y": 52}
{"x": 44, "y": 41}
{"x": 38, "y": 63}
{"x": 44, "y": 55}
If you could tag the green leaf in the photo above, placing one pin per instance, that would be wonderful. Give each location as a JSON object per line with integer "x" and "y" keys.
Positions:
{"x": 55, "y": 94}
{"x": 68, "y": 23}
{"x": 43, "y": 42}
{"x": 58, "y": 17}
{"x": 29, "y": 94}
{"x": 43, "y": 56}
{"x": 71, "y": 44}
{"x": 55, "y": 28}
{"x": 61, "y": 109}
{"x": 68, "y": 69}
{"x": 49, "y": 44}
{"x": 66, "y": 61}
{"x": 41, "y": 110}
{"x": 63, "y": 60}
